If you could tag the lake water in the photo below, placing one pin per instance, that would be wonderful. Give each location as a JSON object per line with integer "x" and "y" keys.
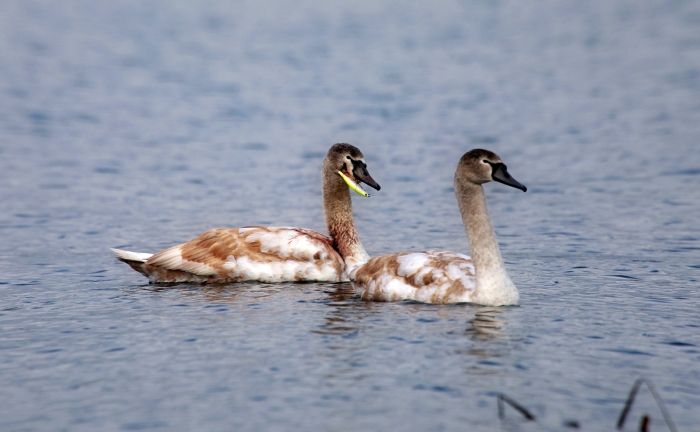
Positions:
{"x": 140, "y": 125}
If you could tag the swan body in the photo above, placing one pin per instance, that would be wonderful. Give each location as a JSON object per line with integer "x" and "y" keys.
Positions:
{"x": 450, "y": 277}
{"x": 265, "y": 254}
{"x": 273, "y": 254}
{"x": 431, "y": 277}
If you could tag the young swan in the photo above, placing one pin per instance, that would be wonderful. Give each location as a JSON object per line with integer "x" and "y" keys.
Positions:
{"x": 450, "y": 277}
{"x": 271, "y": 254}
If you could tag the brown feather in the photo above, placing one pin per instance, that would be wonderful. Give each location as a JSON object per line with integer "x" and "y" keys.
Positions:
{"x": 214, "y": 247}
{"x": 387, "y": 266}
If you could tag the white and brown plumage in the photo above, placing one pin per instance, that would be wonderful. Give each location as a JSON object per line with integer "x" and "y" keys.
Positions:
{"x": 450, "y": 277}
{"x": 273, "y": 254}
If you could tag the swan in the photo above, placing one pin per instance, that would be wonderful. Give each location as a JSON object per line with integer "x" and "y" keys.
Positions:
{"x": 273, "y": 254}
{"x": 450, "y": 277}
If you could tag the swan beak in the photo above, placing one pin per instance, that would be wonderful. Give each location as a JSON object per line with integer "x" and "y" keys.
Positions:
{"x": 354, "y": 185}
{"x": 360, "y": 172}
{"x": 500, "y": 174}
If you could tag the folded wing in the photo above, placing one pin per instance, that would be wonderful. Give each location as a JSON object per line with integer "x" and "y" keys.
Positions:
{"x": 430, "y": 277}
{"x": 265, "y": 254}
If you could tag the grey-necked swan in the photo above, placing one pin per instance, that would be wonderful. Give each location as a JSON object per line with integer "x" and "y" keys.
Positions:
{"x": 273, "y": 254}
{"x": 450, "y": 277}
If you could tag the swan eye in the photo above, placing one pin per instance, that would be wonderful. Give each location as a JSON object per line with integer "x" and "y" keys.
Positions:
{"x": 485, "y": 161}
{"x": 348, "y": 157}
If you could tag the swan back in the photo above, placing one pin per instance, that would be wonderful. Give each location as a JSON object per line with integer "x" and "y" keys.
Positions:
{"x": 265, "y": 254}
{"x": 429, "y": 277}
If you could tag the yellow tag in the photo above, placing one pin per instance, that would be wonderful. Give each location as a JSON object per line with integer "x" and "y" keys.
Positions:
{"x": 354, "y": 185}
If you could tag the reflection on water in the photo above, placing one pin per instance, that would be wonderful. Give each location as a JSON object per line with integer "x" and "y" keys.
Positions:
{"x": 486, "y": 327}
{"x": 339, "y": 321}
{"x": 486, "y": 324}
{"x": 216, "y": 293}
{"x": 343, "y": 318}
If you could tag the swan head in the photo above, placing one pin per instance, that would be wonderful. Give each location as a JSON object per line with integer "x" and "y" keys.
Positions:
{"x": 480, "y": 166}
{"x": 348, "y": 162}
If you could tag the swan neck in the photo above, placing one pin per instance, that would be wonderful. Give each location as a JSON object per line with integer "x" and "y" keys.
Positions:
{"x": 337, "y": 209}
{"x": 493, "y": 285}
{"x": 477, "y": 223}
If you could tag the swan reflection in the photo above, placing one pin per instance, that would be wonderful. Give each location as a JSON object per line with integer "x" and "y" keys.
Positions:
{"x": 343, "y": 318}
{"x": 486, "y": 324}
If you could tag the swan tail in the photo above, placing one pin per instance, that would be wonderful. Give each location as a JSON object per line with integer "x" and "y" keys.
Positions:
{"x": 136, "y": 260}
{"x": 125, "y": 256}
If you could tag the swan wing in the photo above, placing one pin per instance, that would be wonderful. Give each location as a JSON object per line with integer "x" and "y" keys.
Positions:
{"x": 430, "y": 277}
{"x": 266, "y": 254}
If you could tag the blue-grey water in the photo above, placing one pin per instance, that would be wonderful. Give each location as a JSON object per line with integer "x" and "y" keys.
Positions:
{"x": 140, "y": 125}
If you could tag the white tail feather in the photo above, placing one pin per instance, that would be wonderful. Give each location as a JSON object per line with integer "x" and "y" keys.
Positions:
{"x": 131, "y": 256}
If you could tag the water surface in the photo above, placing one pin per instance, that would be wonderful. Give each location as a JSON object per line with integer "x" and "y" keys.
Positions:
{"x": 142, "y": 124}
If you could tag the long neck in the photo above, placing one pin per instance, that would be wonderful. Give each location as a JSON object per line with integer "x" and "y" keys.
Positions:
{"x": 337, "y": 208}
{"x": 493, "y": 285}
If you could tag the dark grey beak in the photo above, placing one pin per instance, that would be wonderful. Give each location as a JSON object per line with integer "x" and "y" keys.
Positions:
{"x": 359, "y": 170}
{"x": 499, "y": 173}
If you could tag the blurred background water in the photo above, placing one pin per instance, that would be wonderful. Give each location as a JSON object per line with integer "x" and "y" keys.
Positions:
{"x": 142, "y": 124}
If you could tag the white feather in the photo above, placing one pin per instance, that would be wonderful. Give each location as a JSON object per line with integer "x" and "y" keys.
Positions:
{"x": 132, "y": 256}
